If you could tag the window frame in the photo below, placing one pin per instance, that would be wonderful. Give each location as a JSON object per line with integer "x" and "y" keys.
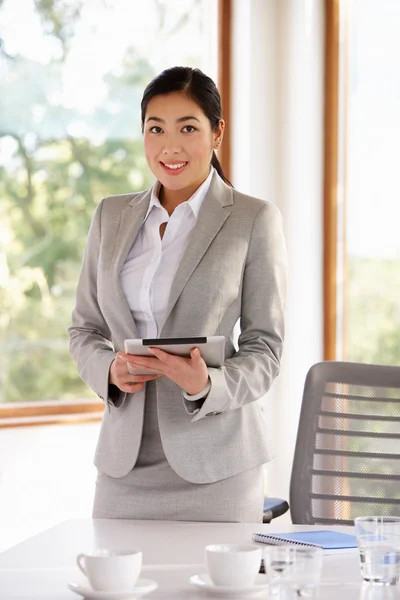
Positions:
{"x": 224, "y": 78}
{"x": 84, "y": 410}
{"x": 55, "y": 412}
{"x": 331, "y": 171}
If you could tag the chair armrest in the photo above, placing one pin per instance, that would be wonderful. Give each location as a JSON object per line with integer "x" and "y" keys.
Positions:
{"x": 274, "y": 507}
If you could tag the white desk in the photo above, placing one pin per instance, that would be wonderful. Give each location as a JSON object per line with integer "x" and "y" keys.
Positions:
{"x": 172, "y": 551}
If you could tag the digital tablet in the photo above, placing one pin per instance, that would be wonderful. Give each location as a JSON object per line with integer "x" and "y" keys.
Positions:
{"x": 212, "y": 349}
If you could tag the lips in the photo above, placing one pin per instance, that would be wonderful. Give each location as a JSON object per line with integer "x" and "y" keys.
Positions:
{"x": 173, "y": 168}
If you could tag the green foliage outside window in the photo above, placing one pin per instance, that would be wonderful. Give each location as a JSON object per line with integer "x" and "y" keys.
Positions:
{"x": 55, "y": 166}
{"x": 373, "y": 305}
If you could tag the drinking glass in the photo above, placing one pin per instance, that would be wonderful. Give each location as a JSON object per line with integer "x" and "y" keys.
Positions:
{"x": 293, "y": 571}
{"x": 378, "y": 541}
{"x": 377, "y": 592}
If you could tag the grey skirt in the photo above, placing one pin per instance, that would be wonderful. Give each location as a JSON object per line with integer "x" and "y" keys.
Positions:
{"x": 152, "y": 490}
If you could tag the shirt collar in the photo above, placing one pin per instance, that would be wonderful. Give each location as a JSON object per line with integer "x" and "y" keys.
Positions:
{"x": 195, "y": 201}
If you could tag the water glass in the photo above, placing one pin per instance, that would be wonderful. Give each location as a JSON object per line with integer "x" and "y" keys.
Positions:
{"x": 293, "y": 570}
{"x": 378, "y": 541}
{"x": 378, "y": 592}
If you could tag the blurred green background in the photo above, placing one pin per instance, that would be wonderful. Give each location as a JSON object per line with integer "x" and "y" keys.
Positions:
{"x": 62, "y": 149}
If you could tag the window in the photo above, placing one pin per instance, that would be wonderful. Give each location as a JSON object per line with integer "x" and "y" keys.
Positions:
{"x": 72, "y": 74}
{"x": 367, "y": 254}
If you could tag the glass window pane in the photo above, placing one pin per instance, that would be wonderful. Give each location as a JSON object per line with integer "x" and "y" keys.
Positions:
{"x": 72, "y": 74}
{"x": 371, "y": 133}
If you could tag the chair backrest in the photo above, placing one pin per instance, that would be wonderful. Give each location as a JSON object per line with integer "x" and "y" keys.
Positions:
{"x": 347, "y": 455}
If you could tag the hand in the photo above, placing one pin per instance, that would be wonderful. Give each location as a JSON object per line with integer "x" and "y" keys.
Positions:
{"x": 125, "y": 381}
{"x": 190, "y": 374}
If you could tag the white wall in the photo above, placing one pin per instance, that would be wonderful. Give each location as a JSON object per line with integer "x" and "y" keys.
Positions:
{"x": 46, "y": 476}
{"x": 277, "y": 127}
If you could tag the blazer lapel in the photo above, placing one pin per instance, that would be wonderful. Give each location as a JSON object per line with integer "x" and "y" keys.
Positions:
{"x": 131, "y": 220}
{"x": 215, "y": 210}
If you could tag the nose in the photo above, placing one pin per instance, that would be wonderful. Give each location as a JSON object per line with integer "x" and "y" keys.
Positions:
{"x": 171, "y": 146}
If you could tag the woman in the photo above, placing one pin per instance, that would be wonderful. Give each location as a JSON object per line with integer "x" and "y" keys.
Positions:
{"x": 189, "y": 257}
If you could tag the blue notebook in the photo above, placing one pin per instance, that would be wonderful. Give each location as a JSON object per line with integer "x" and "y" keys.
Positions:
{"x": 328, "y": 540}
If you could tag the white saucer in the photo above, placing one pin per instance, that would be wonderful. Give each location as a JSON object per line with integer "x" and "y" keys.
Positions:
{"x": 142, "y": 587}
{"x": 204, "y": 582}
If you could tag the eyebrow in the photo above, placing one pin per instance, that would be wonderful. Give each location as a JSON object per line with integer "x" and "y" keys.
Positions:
{"x": 180, "y": 120}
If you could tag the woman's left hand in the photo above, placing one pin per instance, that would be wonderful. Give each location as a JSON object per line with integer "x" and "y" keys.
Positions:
{"x": 190, "y": 374}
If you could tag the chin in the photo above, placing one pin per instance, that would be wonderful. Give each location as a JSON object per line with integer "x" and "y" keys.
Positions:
{"x": 174, "y": 183}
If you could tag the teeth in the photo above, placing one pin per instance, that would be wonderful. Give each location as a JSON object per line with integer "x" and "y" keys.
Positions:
{"x": 178, "y": 166}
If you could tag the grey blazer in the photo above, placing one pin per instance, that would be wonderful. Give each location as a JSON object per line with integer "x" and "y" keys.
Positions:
{"x": 234, "y": 268}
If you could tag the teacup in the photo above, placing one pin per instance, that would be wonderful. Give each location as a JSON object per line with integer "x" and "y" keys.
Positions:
{"x": 233, "y": 565}
{"x": 111, "y": 570}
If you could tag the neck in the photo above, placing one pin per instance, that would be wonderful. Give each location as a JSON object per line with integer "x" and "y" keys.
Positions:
{"x": 170, "y": 199}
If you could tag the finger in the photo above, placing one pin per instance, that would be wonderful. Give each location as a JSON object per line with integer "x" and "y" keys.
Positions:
{"x": 142, "y": 378}
{"x": 131, "y": 388}
{"x": 162, "y": 356}
{"x": 195, "y": 355}
{"x": 131, "y": 361}
{"x": 136, "y": 359}
{"x": 143, "y": 370}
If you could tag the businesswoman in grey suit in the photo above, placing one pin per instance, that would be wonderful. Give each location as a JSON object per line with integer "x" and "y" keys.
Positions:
{"x": 189, "y": 257}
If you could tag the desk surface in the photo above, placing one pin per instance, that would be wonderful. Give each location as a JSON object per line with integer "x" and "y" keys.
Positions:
{"x": 41, "y": 566}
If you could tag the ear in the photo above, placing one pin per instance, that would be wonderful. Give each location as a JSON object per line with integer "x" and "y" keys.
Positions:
{"x": 218, "y": 134}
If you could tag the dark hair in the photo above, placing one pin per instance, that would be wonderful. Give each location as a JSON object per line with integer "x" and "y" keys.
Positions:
{"x": 199, "y": 87}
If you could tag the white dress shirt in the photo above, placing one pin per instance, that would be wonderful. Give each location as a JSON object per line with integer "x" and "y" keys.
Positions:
{"x": 151, "y": 264}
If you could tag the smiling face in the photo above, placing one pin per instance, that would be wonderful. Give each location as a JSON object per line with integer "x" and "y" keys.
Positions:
{"x": 179, "y": 141}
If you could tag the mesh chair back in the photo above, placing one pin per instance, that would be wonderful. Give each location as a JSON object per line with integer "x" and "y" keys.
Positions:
{"x": 347, "y": 455}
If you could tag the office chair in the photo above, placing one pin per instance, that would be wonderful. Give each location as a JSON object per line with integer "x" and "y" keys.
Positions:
{"x": 347, "y": 454}
{"x": 274, "y": 507}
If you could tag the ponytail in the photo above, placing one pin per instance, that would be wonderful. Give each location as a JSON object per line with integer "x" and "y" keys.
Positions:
{"x": 217, "y": 166}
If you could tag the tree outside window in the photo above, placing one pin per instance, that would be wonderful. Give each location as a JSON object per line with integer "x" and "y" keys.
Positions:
{"x": 72, "y": 74}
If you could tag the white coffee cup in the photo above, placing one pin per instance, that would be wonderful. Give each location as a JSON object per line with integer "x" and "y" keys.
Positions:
{"x": 111, "y": 570}
{"x": 233, "y": 565}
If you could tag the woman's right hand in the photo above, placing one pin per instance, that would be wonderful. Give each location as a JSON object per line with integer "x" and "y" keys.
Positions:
{"x": 125, "y": 381}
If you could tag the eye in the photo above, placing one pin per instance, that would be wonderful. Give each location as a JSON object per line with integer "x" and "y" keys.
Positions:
{"x": 190, "y": 127}
{"x": 155, "y": 129}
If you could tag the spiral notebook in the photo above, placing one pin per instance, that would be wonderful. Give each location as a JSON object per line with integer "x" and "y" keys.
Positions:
{"x": 328, "y": 540}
